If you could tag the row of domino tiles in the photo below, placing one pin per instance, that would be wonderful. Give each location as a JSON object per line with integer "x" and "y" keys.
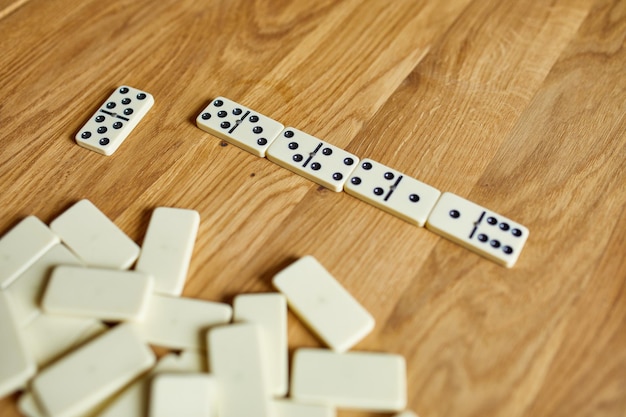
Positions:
{"x": 60, "y": 284}
{"x": 453, "y": 217}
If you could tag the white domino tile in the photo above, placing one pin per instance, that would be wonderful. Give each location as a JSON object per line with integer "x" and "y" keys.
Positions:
{"x": 324, "y": 304}
{"x": 107, "y": 129}
{"x": 28, "y": 406}
{"x": 407, "y": 413}
{"x": 288, "y": 408}
{"x": 269, "y": 311}
{"x": 239, "y": 125}
{"x": 167, "y": 248}
{"x": 133, "y": 401}
{"x": 95, "y": 371}
{"x": 478, "y": 229}
{"x": 312, "y": 158}
{"x": 354, "y": 380}
{"x": 392, "y": 191}
{"x": 26, "y": 291}
{"x": 181, "y": 323}
{"x": 92, "y": 236}
{"x": 105, "y": 294}
{"x": 21, "y": 246}
{"x": 183, "y": 395}
{"x": 49, "y": 336}
{"x": 237, "y": 361}
{"x": 16, "y": 363}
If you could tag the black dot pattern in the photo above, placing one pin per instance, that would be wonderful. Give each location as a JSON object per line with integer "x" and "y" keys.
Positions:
{"x": 486, "y": 236}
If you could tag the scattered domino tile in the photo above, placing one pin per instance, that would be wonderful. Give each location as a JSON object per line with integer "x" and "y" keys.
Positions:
{"x": 354, "y": 380}
{"x": 323, "y": 304}
{"x": 105, "y": 294}
{"x": 26, "y": 291}
{"x": 17, "y": 366}
{"x": 239, "y": 125}
{"x": 269, "y": 311}
{"x": 167, "y": 248}
{"x": 180, "y": 323}
{"x": 238, "y": 363}
{"x": 50, "y": 336}
{"x": 21, "y": 246}
{"x": 28, "y": 406}
{"x": 114, "y": 120}
{"x": 406, "y": 413}
{"x": 392, "y": 191}
{"x": 94, "y": 237}
{"x": 133, "y": 401}
{"x": 287, "y": 408}
{"x": 478, "y": 229}
{"x": 312, "y": 158}
{"x": 183, "y": 395}
{"x": 93, "y": 372}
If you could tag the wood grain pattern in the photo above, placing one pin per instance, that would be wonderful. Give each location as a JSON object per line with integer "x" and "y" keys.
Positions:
{"x": 519, "y": 106}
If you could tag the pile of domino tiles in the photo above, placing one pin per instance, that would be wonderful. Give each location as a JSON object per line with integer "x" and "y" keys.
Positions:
{"x": 61, "y": 283}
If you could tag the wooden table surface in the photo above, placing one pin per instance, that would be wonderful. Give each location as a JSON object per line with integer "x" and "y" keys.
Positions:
{"x": 519, "y": 106}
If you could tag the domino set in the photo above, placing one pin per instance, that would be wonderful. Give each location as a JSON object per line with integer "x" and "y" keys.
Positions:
{"x": 466, "y": 223}
{"x": 478, "y": 229}
{"x": 81, "y": 304}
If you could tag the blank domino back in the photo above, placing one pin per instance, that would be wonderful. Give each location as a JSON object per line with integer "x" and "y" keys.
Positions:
{"x": 354, "y": 380}
{"x": 50, "y": 336}
{"x": 478, "y": 229}
{"x": 288, "y": 408}
{"x": 105, "y": 294}
{"x": 26, "y": 291}
{"x": 76, "y": 382}
{"x": 180, "y": 322}
{"x": 183, "y": 395}
{"x": 21, "y": 246}
{"x": 323, "y": 304}
{"x": 237, "y": 360}
{"x": 269, "y": 311}
{"x": 94, "y": 237}
{"x": 167, "y": 248}
{"x": 16, "y": 364}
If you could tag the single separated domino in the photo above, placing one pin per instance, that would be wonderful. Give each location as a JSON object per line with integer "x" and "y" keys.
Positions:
{"x": 26, "y": 291}
{"x": 237, "y": 360}
{"x": 355, "y": 380}
{"x": 95, "y": 371}
{"x": 167, "y": 248}
{"x": 94, "y": 237}
{"x": 312, "y": 158}
{"x": 21, "y": 246}
{"x": 287, "y": 408}
{"x": 480, "y": 230}
{"x": 181, "y": 323}
{"x": 239, "y": 125}
{"x": 323, "y": 304}
{"x": 183, "y": 395}
{"x": 269, "y": 311}
{"x": 105, "y": 294}
{"x": 16, "y": 364}
{"x": 392, "y": 191}
{"x": 114, "y": 120}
